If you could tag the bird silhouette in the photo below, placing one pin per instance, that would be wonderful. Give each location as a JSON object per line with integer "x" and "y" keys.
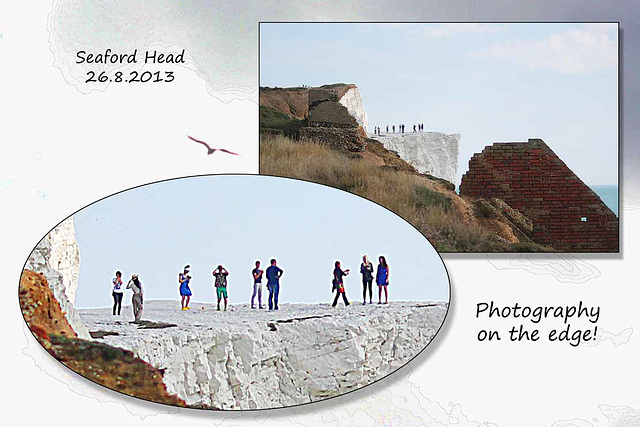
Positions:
{"x": 212, "y": 150}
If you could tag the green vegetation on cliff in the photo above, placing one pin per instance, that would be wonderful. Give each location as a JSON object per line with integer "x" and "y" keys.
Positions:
{"x": 276, "y": 122}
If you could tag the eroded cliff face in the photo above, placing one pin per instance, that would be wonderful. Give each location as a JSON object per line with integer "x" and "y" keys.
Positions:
{"x": 248, "y": 359}
{"x": 352, "y": 100}
{"x": 434, "y": 153}
{"x": 57, "y": 258}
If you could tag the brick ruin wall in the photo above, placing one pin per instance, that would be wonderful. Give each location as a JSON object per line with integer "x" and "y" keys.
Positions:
{"x": 567, "y": 215}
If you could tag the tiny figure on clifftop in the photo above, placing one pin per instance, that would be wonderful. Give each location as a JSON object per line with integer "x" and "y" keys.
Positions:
{"x": 257, "y": 286}
{"x": 221, "y": 284}
{"x": 393, "y": 128}
{"x": 366, "y": 269}
{"x": 414, "y": 128}
{"x": 387, "y": 128}
{"x": 137, "y": 299}
{"x": 338, "y": 284}
{"x": 117, "y": 293}
{"x": 273, "y": 284}
{"x": 185, "y": 290}
{"x": 382, "y": 279}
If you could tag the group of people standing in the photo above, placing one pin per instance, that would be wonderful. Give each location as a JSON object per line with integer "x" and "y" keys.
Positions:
{"x": 366, "y": 270}
{"x": 220, "y": 274}
{"x": 416, "y": 128}
{"x": 136, "y": 300}
{"x": 272, "y": 274}
{"x": 220, "y": 282}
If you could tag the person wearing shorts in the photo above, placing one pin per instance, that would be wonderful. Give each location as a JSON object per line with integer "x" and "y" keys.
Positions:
{"x": 220, "y": 274}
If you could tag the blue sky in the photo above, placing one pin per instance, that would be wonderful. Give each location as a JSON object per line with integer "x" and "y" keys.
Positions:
{"x": 488, "y": 82}
{"x": 156, "y": 229}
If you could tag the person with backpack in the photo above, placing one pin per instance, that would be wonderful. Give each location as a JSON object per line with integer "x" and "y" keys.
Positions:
{"x": 220, "y": 275}
{"x": 382, "y": 279}
{"x": 137, "y": 299}
{"x": 273, "y": 284}
{"x": 117, "y": 293}
{"x": 366, "y": 269}
{"x": 185, "y": 290}
{"x": 338, "y": 284}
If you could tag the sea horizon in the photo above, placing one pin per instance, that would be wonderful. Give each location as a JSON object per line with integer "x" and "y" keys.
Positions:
{"x": 608, "y": 194}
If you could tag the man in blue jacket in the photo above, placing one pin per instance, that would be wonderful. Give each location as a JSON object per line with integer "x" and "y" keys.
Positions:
{"x": 273, "y": 284}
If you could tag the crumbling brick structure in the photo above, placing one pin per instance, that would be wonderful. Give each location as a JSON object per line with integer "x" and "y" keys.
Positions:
{"x": 566, "y": 214}
{"x": 330, "y": 122}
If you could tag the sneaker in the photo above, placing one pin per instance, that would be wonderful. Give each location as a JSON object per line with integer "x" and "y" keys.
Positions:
{"x": 261, "y": 307}
{"x": 253, "y": 307}
{"x": 218, "y": 308}
{"x": 188, "y": 308}
{"x": 364, "y": 303}
{"x": 184, "y": 308}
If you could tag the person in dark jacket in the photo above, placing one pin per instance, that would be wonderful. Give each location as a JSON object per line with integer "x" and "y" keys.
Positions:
{"x": 366, "y": 269}
{"x": 338, "y": 284}
{"x": 273, "y": 274}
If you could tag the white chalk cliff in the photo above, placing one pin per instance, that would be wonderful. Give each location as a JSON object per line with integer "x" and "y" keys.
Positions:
{"x": 434, "y": 153}
{"x": 352, "y": 100}
{"x": 248, "y": 359}
{"x": 58, "y": 259}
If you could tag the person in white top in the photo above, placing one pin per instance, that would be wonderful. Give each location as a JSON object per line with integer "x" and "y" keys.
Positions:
{"x": 117, "y": 293}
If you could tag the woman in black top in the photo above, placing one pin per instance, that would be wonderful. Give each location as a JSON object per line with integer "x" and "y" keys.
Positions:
{"x": 366, "y": 269}
{"x": 338, "y": 284}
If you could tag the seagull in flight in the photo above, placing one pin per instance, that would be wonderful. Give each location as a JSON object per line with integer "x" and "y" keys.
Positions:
{"x": 212, "y": 150}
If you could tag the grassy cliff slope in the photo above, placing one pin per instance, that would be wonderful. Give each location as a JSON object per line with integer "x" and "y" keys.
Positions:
{"x": 452, "y": 223}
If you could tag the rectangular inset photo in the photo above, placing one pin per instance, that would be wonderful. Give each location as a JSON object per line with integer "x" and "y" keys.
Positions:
{"x": 487, "y": 137}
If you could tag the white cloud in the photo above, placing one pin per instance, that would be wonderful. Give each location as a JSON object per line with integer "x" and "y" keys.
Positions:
{"x": 588, "y": 49}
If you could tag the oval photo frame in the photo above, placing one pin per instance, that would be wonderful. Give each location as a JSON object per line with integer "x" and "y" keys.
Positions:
{"x": 192, "y": 320}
